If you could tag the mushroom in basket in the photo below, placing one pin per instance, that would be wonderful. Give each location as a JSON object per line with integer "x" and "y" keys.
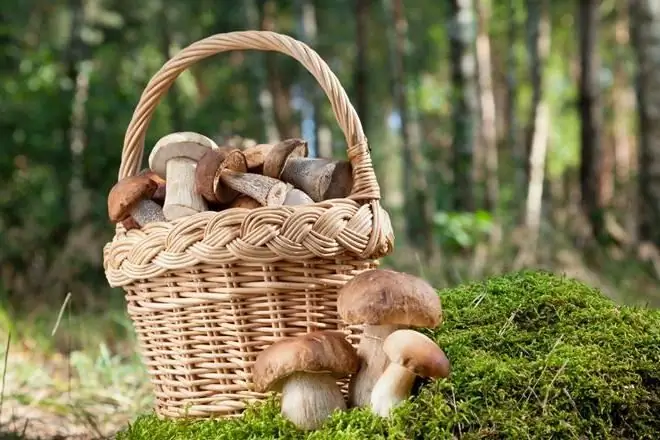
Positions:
{"x": 383, "y": 301}
{"x": 305, "y": 370}
{"x": 411, "y": 354}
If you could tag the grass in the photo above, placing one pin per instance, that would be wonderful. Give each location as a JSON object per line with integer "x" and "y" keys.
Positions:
{"x": 534, "y": 355}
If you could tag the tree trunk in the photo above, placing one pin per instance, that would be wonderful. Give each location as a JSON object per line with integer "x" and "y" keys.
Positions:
{"x": 487, "y": 127}
{"x": 539, "y": 128}
{"x": 416, "y": 201}
{"x": 361, "y": 70}
{"x": 279, "y": 91}
{"x": 517, "y": 149}
{"x": 464, "y": 102}
{"x": 261, "y": 93}
{"x": 591, "y": 150}
{"x": 645, "y": 33}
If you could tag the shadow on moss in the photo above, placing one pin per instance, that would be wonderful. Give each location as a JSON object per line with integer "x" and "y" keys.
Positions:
{"x": 534, "y": 355}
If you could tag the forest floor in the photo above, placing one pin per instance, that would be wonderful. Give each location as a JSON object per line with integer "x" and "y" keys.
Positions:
{"x": 78, "y": 376}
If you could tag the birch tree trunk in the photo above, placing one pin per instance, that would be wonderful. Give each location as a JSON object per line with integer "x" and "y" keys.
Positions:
{"x": 487, "y": 127}
{"x": 645, "y": 33}
{"x": 539, "y": 50}
{"x": 417, "y": 202}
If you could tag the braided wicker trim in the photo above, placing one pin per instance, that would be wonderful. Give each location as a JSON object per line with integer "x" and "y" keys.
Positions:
{"x": 264, "y": 235}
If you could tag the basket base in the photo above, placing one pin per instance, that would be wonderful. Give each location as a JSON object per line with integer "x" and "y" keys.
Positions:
{"x": 200, "y": 330}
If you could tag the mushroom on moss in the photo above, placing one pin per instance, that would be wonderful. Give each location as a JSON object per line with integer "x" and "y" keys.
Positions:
{"x": 383, "y": 301}
{"x": 305, "y": 370}
{"x": 411, "y": 354}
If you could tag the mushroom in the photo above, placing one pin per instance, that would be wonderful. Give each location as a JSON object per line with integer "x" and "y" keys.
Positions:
{"x": 294, "y": 196}
{"x": 130, "y": 202}
{"x": 411, "y": 354}
{"x": 319, "y": 178}
{"x": 174, "y": 158}
{"x": 255, "y": 157}
{"x": 224, "y": 176}
{"x": 383, "y": 301}
{"x": 305, "y": 370}
{"x": 209, "y": 166}
{"x": 159, "y": 195}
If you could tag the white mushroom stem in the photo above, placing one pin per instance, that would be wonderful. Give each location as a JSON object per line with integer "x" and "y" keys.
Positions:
{"x": 308, "y": 399}
{"x": 392, "y": 388}
{"x": 373, "y": 362}
{"x": 147, "y": 211}
{"x": 181, "y": 199}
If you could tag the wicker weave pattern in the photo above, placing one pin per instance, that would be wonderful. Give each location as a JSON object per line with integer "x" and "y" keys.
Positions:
{"x": 207, "y": 292}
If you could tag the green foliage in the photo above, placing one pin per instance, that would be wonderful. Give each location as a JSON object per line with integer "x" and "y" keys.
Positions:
{"x": 462, "y": 230}
{"x": 534, "y": 355}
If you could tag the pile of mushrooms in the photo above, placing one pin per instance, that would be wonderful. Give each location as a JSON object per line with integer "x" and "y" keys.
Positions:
{"x": 383, "y": 368}
{"x": 189, "y": 173}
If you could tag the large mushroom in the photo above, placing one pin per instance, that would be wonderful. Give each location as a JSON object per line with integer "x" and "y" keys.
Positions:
{"x": 411, "y": 354}
{"x": 383, "y": 301}
{"x": 174, "y": 158}
{"x": 305, "y": 370}
{"x": 130, "y": 200}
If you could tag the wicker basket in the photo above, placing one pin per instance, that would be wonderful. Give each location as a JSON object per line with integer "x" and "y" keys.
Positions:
{"x": 206, "y": 293}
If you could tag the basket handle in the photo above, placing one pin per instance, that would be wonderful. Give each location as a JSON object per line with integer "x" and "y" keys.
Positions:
{"x": 365, "y": 185}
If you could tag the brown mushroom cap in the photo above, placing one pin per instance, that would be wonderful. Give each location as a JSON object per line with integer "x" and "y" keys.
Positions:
{"x": 159, "y": 195}
{"x": 281, "y": 153}
{"x": 388, "y": 297}
{"x": 186, "y": 144}
{"x": 126, "y": 193}
{"x": 416, "y": 352}
{"x": 317, "y": 352}
{"x": 256, "y": 155}
{"x": 209, "y": 166}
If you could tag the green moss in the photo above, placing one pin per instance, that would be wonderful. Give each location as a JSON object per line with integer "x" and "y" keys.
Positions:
{"x": 534, "y": 355}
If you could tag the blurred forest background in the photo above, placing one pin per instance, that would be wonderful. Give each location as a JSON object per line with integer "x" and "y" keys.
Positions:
{"x": 505, "y": 134}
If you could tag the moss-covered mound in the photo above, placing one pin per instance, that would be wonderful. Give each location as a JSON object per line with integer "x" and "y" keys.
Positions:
{"x": 534, "y": 355}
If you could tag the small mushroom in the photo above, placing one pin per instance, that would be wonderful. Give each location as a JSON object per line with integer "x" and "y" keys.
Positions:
{"x": 224, "y": 176}
{"x": 319, "y": 178}
{"x": 174, "y": 158}
{"x": 130, "y": 202}
{"x": 209, "y": 166}
{"x": 255, "y": 157}
{"x": 383, "y": 301}
{"x": 411, "y": 354}
{"x": 159, "y": 195}
{"x": 294, "y": 196}
{"x": 305, "y": 370}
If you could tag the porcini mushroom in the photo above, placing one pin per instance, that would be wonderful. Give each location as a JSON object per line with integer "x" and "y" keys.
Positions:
{"x": 221, "y": 176}
{"x": 411, "y": 354}
{"x": 294, "y": 196}
{"x": 305, "y": 370}
{"x": 174, "y": 158}
{"x": 159, "y": 194}
{"x": 209, "y": 166}
{"x": 255, "y": 157}
{"x": 383, "y": 301}
{"x": 131, "y": 198}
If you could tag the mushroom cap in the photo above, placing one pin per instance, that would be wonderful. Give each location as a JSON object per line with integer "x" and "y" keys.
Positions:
{"x": 416, "y": 352}
{"x": 182, "y": 144}
{"x": 159, "y": 195}
{"x": 281, "y": 153}
{"x": 317, "y": 352}
{"x": 208, "y": 168}
{"x": 388, "y": 297}
{"x": 126, "y": 193}
{"x": 255, "y": 155}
